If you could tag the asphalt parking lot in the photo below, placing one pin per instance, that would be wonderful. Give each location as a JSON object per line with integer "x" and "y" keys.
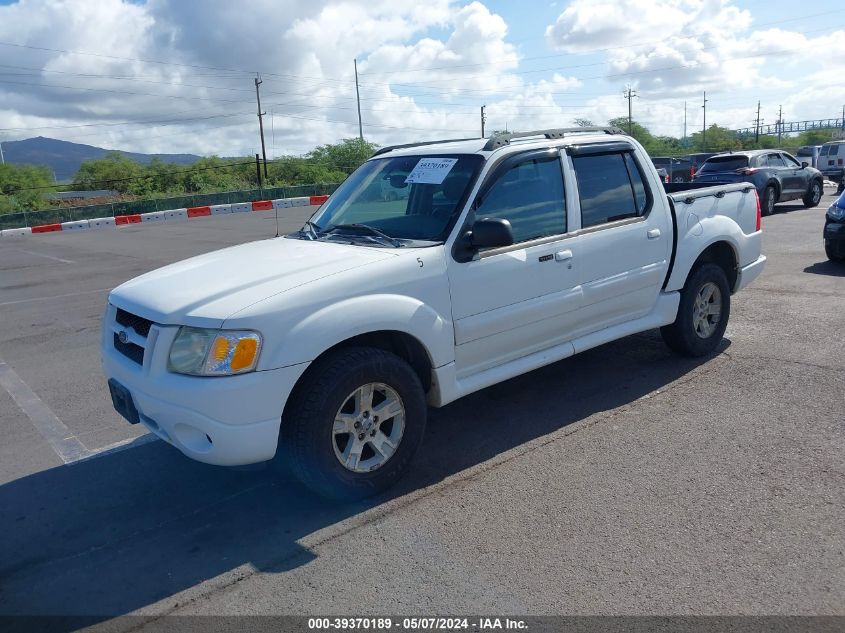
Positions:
{"x": 625, "y": 480}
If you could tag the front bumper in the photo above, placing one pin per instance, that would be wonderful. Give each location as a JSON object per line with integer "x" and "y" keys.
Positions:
{"x": 228, "y": 421}
{"x": 749, "y": 273}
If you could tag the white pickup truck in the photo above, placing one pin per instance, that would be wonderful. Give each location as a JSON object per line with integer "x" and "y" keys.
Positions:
{"x": 497, "y": 256}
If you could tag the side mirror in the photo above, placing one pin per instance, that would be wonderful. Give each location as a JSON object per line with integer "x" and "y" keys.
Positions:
{"x": 491, "y": 233}
{"x": 804, "y": 165}
{"x": 398, "y": 182}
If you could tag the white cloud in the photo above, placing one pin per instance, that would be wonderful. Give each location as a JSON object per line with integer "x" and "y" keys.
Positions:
{"x": 425, "y": 70}
{"x": 674, "y": 50}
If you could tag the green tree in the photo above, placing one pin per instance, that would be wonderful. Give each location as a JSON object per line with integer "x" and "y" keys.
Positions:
{"x": 22, "y": 187}
{"x": 114, "y": 171}
{"x": 717, "y": 139}
{"x": 346, "y": 155}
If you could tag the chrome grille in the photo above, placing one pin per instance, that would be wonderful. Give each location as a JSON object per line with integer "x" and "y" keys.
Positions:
{"x": 139, "y": 324}
{"x": 130, "y": 350}
{"x": 127, "y": 323}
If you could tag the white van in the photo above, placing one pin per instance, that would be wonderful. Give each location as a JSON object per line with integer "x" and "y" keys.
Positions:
{"x": 832, "y": 160}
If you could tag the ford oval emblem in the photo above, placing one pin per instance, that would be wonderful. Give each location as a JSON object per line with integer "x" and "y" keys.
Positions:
{"x": 123, "y": 337}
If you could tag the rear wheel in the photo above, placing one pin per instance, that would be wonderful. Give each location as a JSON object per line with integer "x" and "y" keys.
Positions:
{"x": 813, "y": 195}
{"x": 354, "y": 423}
{"x": 767, "y": 203}
{"x": 703, "y": 312}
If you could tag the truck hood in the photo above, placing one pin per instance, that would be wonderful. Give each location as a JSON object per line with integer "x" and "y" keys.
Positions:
{"x": 203, "y": 291}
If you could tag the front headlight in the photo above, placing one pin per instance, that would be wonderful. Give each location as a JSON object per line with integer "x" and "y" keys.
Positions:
{"x": 835, "y": 212}
{"x": 201, "y": 352}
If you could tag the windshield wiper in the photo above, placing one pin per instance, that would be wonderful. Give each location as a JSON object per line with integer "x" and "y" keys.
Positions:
{"x": 369, "y": 229}
{"x": 312, "y": 229}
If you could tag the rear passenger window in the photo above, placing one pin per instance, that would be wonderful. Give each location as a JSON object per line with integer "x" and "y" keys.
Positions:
{"x": 530, "y": 196}
{"x": 610, "y": 187}
{"x": 775, "y": 160}
{"x": 834, "y": 150}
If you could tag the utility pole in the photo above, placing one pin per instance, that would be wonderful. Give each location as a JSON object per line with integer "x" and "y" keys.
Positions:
{"x": 780, "y": 122}
{"x": 261, "y": 114}
{"x": 629, "y": 95}
{"x": 757, "y": 125}
{"x": 843, "y": 123}
{"x": 483, "y": 120}
{"x": 704, "y": 124}
{"x": 2, "y": 159}
{"x": 358, "y": 99}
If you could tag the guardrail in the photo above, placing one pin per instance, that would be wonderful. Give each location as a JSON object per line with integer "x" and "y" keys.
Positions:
{"x": 60, "y": 215}
{"x": 167, "y": 217}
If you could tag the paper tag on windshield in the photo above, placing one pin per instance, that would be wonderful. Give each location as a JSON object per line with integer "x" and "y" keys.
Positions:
{"x": 431, "y": 171}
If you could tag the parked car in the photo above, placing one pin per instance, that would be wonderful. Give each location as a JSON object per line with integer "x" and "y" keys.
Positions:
{"x": 777, "y": 176}
{"x": 832, "y": 160}
{"x": 697, "y": 160}
{"x": 678, "y": 169}
{"x": 509, "y": 253}
{"x": 810, "y": 154}
{"x": 834, "y": 230}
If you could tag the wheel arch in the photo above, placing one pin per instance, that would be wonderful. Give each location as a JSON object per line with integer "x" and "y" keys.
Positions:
{"x": 773, "y": 182}
{"x": 404, "y": 345}
{"x": 723, "y": 254}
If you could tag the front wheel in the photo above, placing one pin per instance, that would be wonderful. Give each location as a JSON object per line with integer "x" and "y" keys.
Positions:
{"x": 354, "y": 423}
{"x": 703, "y": 313}
{"x": 813, "y": 195}
{"x": 833, "y": 254}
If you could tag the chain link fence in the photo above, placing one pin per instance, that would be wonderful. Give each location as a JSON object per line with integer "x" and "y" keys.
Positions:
{"x": 70, "y": 214}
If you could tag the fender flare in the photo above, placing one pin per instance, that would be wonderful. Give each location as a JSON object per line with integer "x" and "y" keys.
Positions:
{"x": 338, "y": 322}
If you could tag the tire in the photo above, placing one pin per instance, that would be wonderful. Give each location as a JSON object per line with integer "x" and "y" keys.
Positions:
{"x": 813, "y": 195}
{"x": 832, "y": 254}
{"x": 312, "y": 446}
{"x": 693, "y": 336}
{"x": 767, "y": 202}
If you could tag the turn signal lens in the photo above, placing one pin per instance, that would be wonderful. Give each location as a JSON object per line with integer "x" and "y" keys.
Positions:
{"x": 245, "y": 354}
{"x": 220, "y": 350}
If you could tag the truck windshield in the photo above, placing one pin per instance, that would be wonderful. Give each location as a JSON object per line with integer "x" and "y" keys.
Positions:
{"x": 724, "y": 163}
{"x": 415, "y": 198}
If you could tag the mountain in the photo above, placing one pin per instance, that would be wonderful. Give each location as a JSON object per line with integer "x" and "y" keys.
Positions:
{"x": 64, "y": 157}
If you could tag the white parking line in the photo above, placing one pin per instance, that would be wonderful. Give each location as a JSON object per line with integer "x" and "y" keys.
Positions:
{"x": 71, "y": 294}
{"x": 58, "y": 259}
{"x": 64, "y": 443}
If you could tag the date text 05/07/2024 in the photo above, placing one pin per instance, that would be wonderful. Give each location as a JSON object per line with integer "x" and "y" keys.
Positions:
{"x": 480, "y": 624}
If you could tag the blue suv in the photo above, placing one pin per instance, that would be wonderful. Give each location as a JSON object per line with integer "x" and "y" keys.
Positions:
{"x": 777, "y": 176}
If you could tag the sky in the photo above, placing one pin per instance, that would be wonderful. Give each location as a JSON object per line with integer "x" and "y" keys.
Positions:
{"x": 174, "y": 76}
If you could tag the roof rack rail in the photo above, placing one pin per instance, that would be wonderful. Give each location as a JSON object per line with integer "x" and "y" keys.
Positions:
{"x": 500, "y": 140}
{"x": 390, "y": 148}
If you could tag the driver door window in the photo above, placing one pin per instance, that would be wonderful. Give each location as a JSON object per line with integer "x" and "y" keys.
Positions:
{"x": 530, "y": 196}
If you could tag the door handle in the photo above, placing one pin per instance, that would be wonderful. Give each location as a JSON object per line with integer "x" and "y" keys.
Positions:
{"x": 562, "y": 256}
{"x": 653, "y": 234}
